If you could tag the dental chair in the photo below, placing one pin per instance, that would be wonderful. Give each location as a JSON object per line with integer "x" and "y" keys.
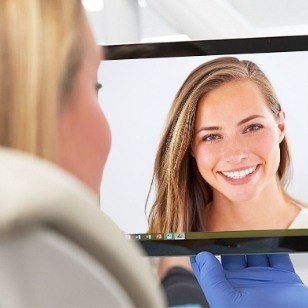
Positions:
{"x": 57, "y": 249}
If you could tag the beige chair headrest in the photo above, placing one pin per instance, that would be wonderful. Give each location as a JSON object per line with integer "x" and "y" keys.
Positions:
{"x": 35, "y": 192}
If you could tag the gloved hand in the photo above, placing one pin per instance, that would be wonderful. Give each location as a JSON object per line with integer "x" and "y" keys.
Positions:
{"x": 249, "y": 281}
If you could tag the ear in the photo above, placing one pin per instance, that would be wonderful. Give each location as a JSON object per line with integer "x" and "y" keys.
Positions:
{"x": 282, "y": 125}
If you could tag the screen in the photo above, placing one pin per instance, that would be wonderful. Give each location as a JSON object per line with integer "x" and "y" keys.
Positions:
{"x": 139, "y": 85}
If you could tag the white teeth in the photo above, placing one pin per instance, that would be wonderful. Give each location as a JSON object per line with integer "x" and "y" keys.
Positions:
{"x": 239, "y": 174}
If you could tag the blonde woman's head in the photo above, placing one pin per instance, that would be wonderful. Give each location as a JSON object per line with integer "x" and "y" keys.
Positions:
{"x": 48, "y": 58}
{"x": 41, "y": 51}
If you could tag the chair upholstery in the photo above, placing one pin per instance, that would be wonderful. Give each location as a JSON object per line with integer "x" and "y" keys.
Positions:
{"x": 58, "y": 249}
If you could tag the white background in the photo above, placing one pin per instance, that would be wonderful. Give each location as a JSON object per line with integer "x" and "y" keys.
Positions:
{"x": 136, "y": 97}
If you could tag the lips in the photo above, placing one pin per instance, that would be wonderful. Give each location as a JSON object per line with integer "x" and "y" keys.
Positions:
{"x": 240, "y": 173}
{"x": 239, "y": 176}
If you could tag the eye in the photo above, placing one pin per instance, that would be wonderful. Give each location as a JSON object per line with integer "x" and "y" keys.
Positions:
{"x": 211, "y": 138}
{"x": 98, "y": 86}
{"x": 253, "y": 128}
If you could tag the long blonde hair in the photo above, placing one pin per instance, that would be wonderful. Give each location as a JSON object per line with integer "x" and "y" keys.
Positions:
{"x": 182, "y": 193}
{"x": 41, "y": 50}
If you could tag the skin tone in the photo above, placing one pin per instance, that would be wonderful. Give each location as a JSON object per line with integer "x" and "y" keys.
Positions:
{"x": 237, "y": 153}
{"x": 83, "y": 132}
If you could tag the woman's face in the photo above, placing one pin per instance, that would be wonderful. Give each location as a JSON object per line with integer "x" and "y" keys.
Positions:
{"x": 236, "y": 141}
{"x": 83, "y": 133}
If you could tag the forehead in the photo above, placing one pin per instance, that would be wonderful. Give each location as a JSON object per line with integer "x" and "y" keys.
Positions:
{"x": 233, "y": 99}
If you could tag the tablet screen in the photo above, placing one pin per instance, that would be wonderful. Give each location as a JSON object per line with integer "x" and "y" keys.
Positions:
{"x": 140, "y": 83}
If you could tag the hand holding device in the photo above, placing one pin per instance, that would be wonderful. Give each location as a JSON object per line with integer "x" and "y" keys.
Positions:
{"x": 252, "y": 281}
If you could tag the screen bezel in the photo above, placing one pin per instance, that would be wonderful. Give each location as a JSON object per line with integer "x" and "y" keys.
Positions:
{"x": 229, "y": 242}
{"x": 224, "y": 243}
{"x": 206, "y": 47}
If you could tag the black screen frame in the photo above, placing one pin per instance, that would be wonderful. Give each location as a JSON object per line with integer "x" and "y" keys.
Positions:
{"x": 206, "y": 47}
{"x": 230, "y": 242}
{"x": 225, "y": 243}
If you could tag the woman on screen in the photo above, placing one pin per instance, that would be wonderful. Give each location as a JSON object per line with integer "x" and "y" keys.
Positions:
{"x": 223, "y": 161}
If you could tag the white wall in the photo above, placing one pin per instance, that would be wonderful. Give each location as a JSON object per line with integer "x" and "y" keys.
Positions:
{"x": 136, "y": 97}
{"x": 174, "y": 20}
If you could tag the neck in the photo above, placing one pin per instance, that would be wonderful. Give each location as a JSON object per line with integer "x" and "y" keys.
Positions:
{"x": 269, "y": 210}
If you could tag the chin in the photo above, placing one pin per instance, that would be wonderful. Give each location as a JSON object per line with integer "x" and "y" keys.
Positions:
{"x": 241, "y": 197}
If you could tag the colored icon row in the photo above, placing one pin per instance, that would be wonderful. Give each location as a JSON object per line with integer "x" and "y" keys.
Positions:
{"x": 157, "y": 236}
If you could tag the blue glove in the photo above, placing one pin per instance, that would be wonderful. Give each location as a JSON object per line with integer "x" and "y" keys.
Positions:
{"x": 249, "y": 281}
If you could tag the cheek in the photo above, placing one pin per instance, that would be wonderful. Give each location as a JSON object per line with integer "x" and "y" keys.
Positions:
{"x": 95, "y": 133}
{"x": 265, "y": 145}
{"x": 206, "y": 159}
{"x": 84, "y": 141}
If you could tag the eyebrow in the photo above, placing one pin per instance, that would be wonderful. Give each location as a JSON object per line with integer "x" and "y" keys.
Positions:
{"x": 211, "y": 128}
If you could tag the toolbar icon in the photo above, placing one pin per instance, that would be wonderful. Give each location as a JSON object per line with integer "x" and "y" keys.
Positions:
{"x": 179, "y": 236}
{"x": 168, "y": 236}
{"x": 158, "y": 236}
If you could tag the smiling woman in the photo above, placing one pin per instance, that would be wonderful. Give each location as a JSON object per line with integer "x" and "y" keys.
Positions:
{"x": 223, "y": 161}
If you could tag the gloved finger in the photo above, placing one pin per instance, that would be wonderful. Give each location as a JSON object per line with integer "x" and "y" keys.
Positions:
{"x": 212, "y": 279}
{"x": 233, "y": 262}
{"x": 258, "y": 260}
{"x": 281, "y": 261}
{"x": 195, "y": 267}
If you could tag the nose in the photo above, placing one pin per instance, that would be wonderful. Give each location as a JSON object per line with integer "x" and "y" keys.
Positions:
{"x": 236, "y": 158}
{"x": 235, "y": 149}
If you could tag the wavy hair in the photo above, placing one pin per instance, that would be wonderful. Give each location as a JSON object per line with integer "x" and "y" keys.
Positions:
{"x": 41, "y": 51}
{"x": 182, "y": 193}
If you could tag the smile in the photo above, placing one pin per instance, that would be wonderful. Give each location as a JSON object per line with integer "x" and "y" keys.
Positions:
{"x": 235, "y": 175}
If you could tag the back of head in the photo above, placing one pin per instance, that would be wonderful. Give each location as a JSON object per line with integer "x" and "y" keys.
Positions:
{"x": 41, "y": 50}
